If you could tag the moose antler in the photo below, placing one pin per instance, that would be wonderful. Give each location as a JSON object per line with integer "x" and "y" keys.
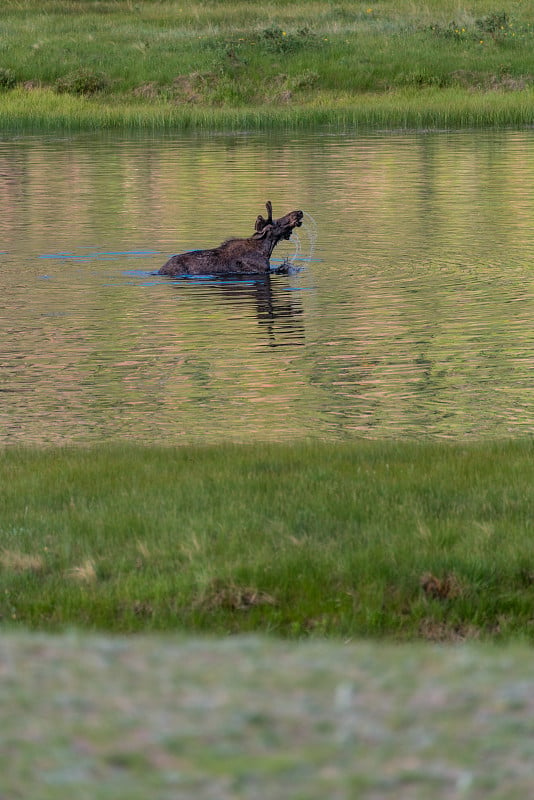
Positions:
{"x": 261, "y": 222}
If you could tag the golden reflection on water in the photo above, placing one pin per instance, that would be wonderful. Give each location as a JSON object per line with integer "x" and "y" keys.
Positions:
{"x": 413, "y": 319}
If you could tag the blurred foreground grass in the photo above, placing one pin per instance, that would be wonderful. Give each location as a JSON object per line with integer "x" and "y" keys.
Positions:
{"x": 161, "y": 717}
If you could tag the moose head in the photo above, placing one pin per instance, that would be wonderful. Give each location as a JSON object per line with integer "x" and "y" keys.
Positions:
{"x": 273, "y": 231}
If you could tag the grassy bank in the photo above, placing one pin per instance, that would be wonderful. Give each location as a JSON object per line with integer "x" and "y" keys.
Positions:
{"x": 160, "y": 717}
{"x": 402, "y": 540}
{"x": 84, "y": 65}
{"x": 426, "y": 108}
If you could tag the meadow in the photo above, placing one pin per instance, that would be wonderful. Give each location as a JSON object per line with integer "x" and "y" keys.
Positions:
{"x": 205, "y": 65}
{"x": 403, "y": 541}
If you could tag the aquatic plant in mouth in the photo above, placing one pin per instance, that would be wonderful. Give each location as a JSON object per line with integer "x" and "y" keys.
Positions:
{"x": 291, "y": 263}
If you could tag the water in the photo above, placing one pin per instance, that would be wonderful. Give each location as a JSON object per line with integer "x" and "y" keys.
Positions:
{"x": 410, "y": 315}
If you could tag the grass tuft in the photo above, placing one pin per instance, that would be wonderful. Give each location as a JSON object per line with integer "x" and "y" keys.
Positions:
{"x": 228, "y": 596}
{"x": 446, "y": 588}
{"x": 85, "y": 573}
{"x": 82, "y": 82}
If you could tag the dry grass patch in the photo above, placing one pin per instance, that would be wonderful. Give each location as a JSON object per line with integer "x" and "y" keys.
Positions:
{"x": 446, "y": 588}
{"x": 447, "y": 633}
{"x": 230, "y": 596}
{"x": 16, "y": 561}
{"x": 86, "y": 573}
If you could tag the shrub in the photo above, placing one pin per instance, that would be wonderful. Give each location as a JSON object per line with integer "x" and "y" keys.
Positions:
{"x": 306, "y": 80}
{"x": 7, "y": 78}
{"x": 496, "y": 25}
{"x": 275, "y": 40}
{"x": 423, "y": 77}
{"x": 82, "y": 81}
{"x": 493, "y": 23}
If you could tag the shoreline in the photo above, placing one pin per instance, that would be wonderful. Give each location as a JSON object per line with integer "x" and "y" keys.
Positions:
{"x": 42, "y": 110}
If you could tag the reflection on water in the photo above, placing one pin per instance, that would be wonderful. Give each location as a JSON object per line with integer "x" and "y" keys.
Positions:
{"x": 277, "y": 310}
{"x": 410, "y": 315}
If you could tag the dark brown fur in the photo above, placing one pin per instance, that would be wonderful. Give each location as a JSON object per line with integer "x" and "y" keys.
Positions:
{"x": 238, "y": 256}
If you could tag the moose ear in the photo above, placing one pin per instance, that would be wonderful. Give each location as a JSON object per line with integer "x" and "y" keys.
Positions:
{"x": 261, "y": 222}
{"x": 261, "y": 233}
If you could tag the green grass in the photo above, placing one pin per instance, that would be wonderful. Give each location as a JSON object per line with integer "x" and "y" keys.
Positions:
{"x": 401, "y": 540}
{"x": 219, "y": 65}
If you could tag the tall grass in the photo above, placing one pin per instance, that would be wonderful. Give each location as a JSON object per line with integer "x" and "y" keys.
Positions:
{"x": 225, "y": 64}
{"x": 367, "y": 539}
{"x": 426, "y": 108}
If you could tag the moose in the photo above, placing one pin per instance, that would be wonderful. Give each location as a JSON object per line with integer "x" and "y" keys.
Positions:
{"x": 238, "y": 256}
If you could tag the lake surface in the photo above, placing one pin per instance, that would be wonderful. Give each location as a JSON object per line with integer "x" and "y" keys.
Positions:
{"x": 410, "y": 313}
